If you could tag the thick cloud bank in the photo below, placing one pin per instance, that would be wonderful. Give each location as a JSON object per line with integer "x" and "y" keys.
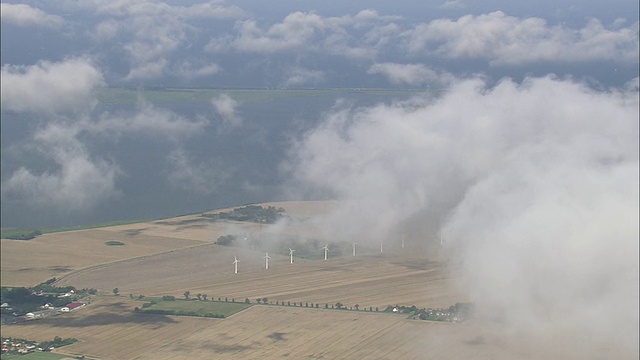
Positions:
{"x": 50, "y": 86}
{"x": 535, "y": 187}
{"x": 78, "y": 183}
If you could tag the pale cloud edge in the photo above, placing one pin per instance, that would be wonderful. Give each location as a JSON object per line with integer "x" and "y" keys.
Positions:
{"x": 508, "y": 179}
{"x": 26, "y": 15}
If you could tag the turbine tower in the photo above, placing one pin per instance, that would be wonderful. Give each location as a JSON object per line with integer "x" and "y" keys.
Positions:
{"x": 326, "y": 250}
{"x": 235, "y": 262}
{"x": 403, "y": 241}
{"x": 354, "y": 249}
{"x": 381, "y": 242}
{"x": 266, "y": 261}
{"x": 291, "y": 254}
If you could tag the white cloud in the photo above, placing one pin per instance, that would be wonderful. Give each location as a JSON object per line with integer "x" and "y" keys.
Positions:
{"x": 148, "y": 120}
{"x": 212, "y": 9}
{"x": 203, "y": 179}
{"x": 294, "y": 32}
{"x": 300, "y": 76}
{"x": 562, "y": 239}
{"x": 146, "y": 70}
{"x": 226, "y": 107}
{"x": 308, "y": 32}
{"x": 79, "y": 182}
{"x": 157, "y": 32}
{"x": 26, "y": 15}
{"x": 510, "y": 40}
{"x": 535, "y": 184}
{"x": 50, "y": 86}
{"x": 106, "y": 30}
{"x": 497, "y": 37}
{"x": 187, "y": 70}
{"x": 411, "y": 74}
{"x": 452, "y": 4}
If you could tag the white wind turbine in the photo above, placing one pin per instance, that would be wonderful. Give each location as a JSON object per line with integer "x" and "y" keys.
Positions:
{"x": 326, "y": 250}
{"x": 403, "y": 241}
{"x": 354, "y": 249}
{"x": 266, "y": 261}
{"x": 291, "y": 254}
{"x": 235, "y": 262}
{"x": 381, "y": 242}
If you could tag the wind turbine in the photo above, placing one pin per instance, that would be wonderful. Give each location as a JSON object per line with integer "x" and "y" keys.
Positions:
{"x": 440, "y": 239}
{"x": 235, "y": 262}
{"x": 291, "y": 254}
{"x": 354, "y": 249}
{"x": 266, "y": 261}
{"x": 326, "y": 250}
{"x": 381, "y": 242}
{"x": 403, "y": 241}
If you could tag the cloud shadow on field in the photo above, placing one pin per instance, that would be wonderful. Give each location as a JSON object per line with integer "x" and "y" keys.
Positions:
{"x": 277, "y": 336}
{"x": 106, "y": 319}
{"x": 185, "y": 222}
{"x": 194, "y": 226}
{"x": 134, "y": 232}
{"x": 478, "y": 340}
{"x": 61, "y": 268}
{"x": 219, "y": 348}
{"x": 415, "y": 264}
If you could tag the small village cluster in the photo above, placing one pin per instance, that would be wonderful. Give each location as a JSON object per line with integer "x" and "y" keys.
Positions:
{"x": 45, "y": 310}
{"x": 53, "y": 303}
{"x": 459, "y": 312}
{"x": 21, "y": 346}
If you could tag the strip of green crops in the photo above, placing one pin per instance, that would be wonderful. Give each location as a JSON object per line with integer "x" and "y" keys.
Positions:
{"x": 7, "y": 233}
{"x": 194, "y": 308}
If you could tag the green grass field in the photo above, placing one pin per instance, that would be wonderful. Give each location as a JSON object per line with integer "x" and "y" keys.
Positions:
{"x": 196, "y": 308}
{"x": 35, "y": 356}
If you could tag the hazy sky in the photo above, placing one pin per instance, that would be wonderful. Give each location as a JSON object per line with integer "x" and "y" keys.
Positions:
{"x": 61, "y": 148}
{"x": 525, "y": 159}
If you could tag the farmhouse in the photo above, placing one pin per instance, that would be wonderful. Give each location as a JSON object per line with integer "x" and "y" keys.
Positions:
{"x": 66, "y": 294}
{"x": 72, "y": 306}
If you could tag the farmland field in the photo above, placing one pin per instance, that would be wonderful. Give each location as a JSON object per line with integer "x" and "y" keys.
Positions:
{"x": 27, "y": 263}
{"x": 108, "y": 329}
{"x": 172, "y": 256}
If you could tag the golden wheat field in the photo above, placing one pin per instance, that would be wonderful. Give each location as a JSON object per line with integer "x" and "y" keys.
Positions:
{"x": 108, "y": 329}
{"x": 171, "y": 256}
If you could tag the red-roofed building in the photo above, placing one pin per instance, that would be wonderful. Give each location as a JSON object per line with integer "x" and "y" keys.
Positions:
{"x": 72, "y": 306}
